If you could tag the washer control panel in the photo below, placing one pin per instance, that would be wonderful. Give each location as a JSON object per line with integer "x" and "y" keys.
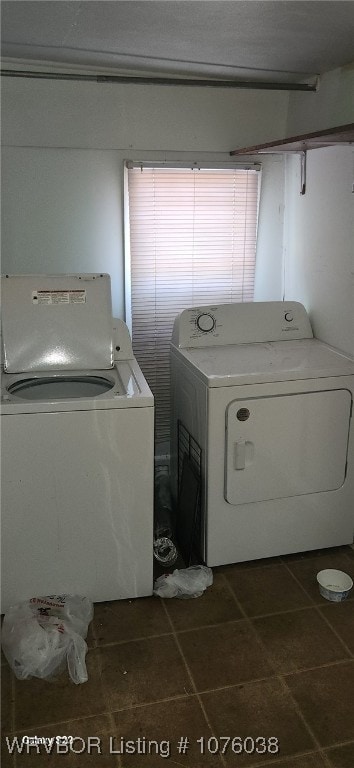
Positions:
{"x": 243, "y": 323}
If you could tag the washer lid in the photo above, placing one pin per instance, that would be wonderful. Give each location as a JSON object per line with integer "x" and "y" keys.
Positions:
{"x": 272, "y": 361}
{"x": 52, "y": 322}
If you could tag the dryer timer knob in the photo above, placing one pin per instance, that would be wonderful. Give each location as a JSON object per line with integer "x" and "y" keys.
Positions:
{"x": 206, "y": 322}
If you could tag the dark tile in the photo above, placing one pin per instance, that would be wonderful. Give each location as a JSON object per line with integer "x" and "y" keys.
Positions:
{"x": 40, "y": 702}
{"x": 258, "y": 709}
{"x": 224, "y": 655}
{"x": 341, "y": 757}
{"x": 312, "y": 553}
{"x": 166, "y": 722}
{"x": 81, "y": 752}
{"x": 129, "y": 620}
{"x": 350, "y": 552}
{"x": 90, "y": 639}
{"x": 143, "y": 671}
{"x": 306, "y": 571}
{"x": 261, "y": 563}
{"x": 313, "y": 760}
{"x": 7, "y": 759}
{"x": 298, "y": 639}
{"x": 7, "y": 698}
{"x": 341, "y": 618}
{"x": 266, "y": 590}
{"x": 325, "y": 697}
{"x": 215, "y": 606}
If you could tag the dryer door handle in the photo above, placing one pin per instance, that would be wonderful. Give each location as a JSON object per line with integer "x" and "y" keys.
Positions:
{"x": 243, "y": 454}
{"x": 240, "y": 454}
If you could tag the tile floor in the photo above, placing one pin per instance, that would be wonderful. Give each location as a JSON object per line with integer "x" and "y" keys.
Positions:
{"x": 261, "y": 655}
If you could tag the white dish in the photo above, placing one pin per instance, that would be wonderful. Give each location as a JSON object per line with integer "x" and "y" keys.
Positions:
{"x": 334, "y": 585}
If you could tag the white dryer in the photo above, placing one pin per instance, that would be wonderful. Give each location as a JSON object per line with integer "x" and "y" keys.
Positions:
{"x": 77, "y": 424}
{"x": 270, "y": 408}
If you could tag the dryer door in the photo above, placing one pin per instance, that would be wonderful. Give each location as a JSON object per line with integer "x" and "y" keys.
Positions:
{"x": 286, "y": 445}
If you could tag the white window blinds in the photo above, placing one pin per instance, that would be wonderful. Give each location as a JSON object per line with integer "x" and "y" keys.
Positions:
{"x": 192, "y": 242}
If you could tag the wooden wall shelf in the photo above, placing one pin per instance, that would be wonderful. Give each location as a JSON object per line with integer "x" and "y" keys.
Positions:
{"x": 343, "y": 134}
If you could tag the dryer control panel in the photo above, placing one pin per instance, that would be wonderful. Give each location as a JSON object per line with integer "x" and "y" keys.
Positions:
{"x": 244, "y": 323}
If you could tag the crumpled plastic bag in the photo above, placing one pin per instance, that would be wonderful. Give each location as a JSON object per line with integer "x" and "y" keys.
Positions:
{"x": 185, "y": 583}
{"x": 41, "y": 634}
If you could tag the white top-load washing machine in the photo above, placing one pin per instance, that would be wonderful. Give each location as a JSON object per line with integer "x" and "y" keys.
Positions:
{"x": 77, "y": 425}
{"x": 270, "y": 408}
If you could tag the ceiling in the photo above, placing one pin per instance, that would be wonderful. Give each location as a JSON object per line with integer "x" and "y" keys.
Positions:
{"x": 282, "y": 41}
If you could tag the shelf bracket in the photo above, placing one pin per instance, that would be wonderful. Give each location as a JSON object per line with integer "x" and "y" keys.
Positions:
{"x": 303, "y": 160}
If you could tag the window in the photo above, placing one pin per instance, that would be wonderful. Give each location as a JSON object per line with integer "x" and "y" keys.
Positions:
{"x": 192, "y": 239}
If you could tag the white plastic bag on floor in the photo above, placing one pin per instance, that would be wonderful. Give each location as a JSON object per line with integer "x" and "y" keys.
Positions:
{"x": 41, "y": 634}
{"x": 185, "y": 583}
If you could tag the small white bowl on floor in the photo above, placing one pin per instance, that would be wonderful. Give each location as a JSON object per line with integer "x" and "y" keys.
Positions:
{"x": 334, "y": 585}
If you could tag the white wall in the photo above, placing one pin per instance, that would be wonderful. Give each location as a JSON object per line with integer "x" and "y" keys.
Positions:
{"x": 62, "y": 180}
{"x": 61, "y": 212}
{"x": 64, "y": 148}
{"x": 269, "y": 261}
{"x": 331, "y": 106}
{"x": 47, "y": 113}
{"x": 319, "y": 228}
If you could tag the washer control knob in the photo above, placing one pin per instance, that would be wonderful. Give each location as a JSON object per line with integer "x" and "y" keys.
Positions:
{"x": 288, "y": 317}
{"x": 206, "y": 322}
